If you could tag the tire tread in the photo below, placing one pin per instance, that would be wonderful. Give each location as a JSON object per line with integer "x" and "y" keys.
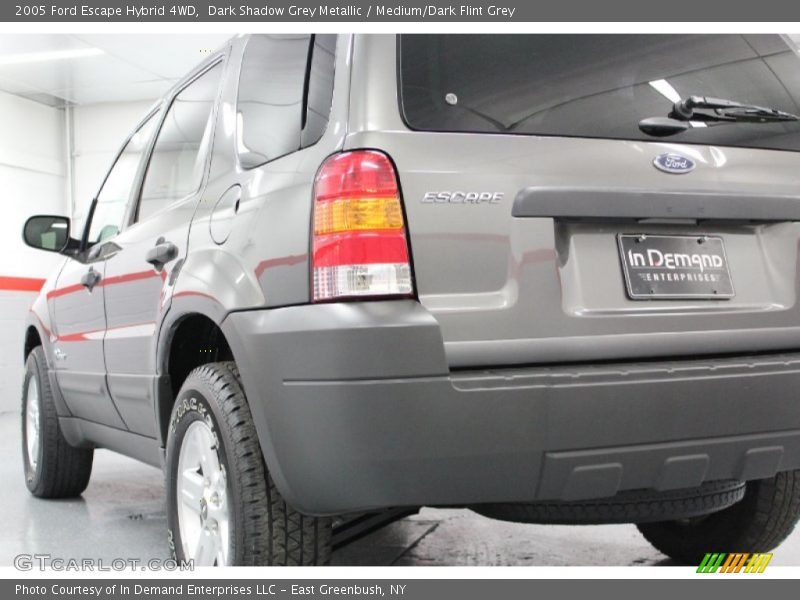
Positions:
{"x": 273, "y": 532}
{"x": 759, "y": 523}
{"x": 637, "y": 506}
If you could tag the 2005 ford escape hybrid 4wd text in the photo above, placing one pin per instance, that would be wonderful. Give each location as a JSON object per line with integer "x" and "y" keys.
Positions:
{"x": 553, "y": 279}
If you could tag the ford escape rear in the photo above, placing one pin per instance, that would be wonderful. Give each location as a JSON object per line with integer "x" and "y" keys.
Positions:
{"x": 550, "y": 278}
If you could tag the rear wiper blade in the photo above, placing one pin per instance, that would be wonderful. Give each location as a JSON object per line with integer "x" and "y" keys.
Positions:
{"x": 726, "y": 110}
{"x": 723, "y": 111}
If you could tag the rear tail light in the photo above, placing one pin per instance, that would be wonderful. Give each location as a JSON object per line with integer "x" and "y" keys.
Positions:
{"x": 359, "y": 243}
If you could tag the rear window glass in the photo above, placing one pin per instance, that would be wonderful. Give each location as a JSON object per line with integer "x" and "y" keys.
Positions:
{"x": 270, "y": 104}
{"x": 597, "y": 86}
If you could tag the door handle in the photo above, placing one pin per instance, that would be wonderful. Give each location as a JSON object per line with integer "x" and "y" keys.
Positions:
{"x": 90, "y": 279}
{"x": 160, "y": 254}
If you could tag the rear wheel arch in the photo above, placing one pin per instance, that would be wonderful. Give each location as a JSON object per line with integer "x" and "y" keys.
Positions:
{"x": 32, "y": 340}
{"x": 179, "y": 327}
{"x": 192, "y": 340}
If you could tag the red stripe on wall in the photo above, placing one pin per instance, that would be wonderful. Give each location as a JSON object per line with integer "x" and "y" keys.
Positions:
{"x": 29, "y": 284}
{"x": 128, "y": 277}
{"x": 83, "y": 336}
{"x": 65, "y": 290}
{"x": 20, "y": 284}
{"x": 192, "y": 293}
{"x": 282, "y": 261}
{"x": 114, "y": 280}
{"x": 76, "y": 337}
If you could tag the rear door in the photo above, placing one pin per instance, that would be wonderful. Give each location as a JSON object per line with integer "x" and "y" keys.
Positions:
{"x": 141, "y": 269}
{"x": 526, "y": 180}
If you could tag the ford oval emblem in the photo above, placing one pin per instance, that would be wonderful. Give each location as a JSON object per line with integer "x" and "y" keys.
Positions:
{"x": 674, "y": 163}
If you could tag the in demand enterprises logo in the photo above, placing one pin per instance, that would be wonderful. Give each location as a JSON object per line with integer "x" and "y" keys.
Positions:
{"x": 737, "y": 562}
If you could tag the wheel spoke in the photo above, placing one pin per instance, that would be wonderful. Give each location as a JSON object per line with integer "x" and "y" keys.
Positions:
{"x": 191, "y": 489}
{"x": 223, "y": 541}
{"x": 191, "y": 450}
{"x": 206, "y": 549}
{"x": 202, "y": 497}
{"x": 217, "y": 512}
{"x": 208, "y": 457}
{"x": 219, "y": 485}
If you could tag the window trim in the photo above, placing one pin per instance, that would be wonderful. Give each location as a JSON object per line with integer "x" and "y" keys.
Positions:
{"x": 307, "y": 91}
{"x": 153, "y": 112}
{"x": 306, "y": 85}
{"x": 132, "y": 212}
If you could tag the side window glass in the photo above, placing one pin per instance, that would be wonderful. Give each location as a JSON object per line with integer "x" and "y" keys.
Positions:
{"x": 113, "y": 198}
{"x": 320, "y": 88}
{"x": 269, "y": 109}
{"x": 178, "y": 159}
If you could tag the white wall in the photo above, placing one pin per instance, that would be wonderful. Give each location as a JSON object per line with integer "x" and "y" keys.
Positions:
{"x": 98, "y": 131}
{"x": 32, "y": 180}
{"x": 34, "y": 167}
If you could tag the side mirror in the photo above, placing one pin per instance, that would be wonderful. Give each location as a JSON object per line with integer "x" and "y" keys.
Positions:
{"x": 46, "y": 232}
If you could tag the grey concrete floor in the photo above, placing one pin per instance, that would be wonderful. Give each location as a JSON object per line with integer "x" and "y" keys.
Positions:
{"x": 121, "y": 515}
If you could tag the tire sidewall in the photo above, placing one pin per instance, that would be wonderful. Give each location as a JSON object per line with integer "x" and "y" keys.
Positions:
{"x": 196, "y": 403}
{"x": 32, "y": 371}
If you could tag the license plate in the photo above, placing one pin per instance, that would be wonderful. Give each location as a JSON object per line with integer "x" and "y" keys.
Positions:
{"x": 675, "y": 267}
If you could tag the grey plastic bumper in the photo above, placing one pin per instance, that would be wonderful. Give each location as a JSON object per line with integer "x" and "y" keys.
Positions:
{"x": 356, "y": 408}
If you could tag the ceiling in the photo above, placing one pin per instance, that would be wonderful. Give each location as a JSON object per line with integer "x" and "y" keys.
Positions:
{"x": 114, "y": 67}
{"x": 124, "y": 67}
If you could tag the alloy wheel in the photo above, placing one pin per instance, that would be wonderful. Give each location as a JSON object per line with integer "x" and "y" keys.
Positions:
{"x": 202, "y": 495}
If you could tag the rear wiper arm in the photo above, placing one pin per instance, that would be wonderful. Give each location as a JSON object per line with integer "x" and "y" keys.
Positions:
{"x": 724, "y": 111}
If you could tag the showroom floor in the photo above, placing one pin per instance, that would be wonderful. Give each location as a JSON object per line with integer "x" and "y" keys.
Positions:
{"x": 121, "y": 515}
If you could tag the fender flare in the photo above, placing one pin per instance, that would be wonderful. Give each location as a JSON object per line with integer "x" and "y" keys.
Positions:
{"x": 201, "y": 304}
{"x": 183, "y": 306}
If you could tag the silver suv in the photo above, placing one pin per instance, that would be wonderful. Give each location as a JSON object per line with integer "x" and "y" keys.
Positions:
{"x": 553, "y": 279}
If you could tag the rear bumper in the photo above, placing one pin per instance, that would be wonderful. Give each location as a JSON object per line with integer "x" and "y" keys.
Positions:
{"x": 356, "y": 408}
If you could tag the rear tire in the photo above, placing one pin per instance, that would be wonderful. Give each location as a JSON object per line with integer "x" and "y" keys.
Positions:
{"x": 219, "y": 491}
{"x": 759, "y": 523}
{"x": 634, "y": 506}
{"x": 53, "y": 468}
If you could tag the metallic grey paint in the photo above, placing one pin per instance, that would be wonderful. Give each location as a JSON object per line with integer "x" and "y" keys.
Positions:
{"x": 507, "y": 289}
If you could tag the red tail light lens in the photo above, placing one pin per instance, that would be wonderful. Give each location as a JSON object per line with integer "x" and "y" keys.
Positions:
{"x": 360, "y": 246}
